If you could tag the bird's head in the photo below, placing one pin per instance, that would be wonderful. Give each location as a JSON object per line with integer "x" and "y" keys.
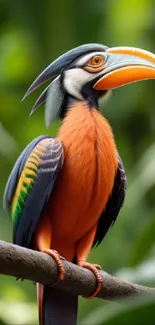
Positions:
{"x": 88, "y": 72}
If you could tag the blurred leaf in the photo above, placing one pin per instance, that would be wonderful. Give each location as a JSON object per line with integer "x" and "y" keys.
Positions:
{"x": 10, "y": 148}
{"x": 18, "y": 313}
{"x": 143, "y": 273}
{"x": 16, "y": 53}
{"x": 144, "y": 242}
{"x": 138, "y": 311}
{"x": 142, "y": 177}
{"x": 122, "y": 13}
{"x": 2, "y": 322}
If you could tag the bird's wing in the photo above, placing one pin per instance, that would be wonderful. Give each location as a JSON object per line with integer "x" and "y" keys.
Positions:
{"x": 30, "y": 185}
{"x": 114, "y": 204}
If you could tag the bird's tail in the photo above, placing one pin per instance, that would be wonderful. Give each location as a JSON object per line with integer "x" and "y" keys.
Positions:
{"x": 56, "y": 307}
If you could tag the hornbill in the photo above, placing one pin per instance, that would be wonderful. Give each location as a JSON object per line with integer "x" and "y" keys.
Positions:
{"x": 64, "y": 193}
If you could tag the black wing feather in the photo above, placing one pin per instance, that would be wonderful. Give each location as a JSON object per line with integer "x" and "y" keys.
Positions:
{"x": 49, "y": 161}
{"x": 114, "y": 204}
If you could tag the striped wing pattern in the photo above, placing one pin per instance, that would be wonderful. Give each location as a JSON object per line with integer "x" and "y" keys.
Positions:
{"x": 34, "y": 187}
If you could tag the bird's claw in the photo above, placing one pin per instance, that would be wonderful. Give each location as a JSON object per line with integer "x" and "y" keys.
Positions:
{"x": 53, "y": 253}
{"x": 94, "y": 268}
{"x": 97, "y": 266}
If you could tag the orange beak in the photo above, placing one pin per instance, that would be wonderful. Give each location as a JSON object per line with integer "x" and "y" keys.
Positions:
{"x": 124, "y": 65}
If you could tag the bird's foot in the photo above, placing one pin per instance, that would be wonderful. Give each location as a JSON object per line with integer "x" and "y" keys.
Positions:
{"x": 57, "y": 259}
{"x": 94, "y": 268}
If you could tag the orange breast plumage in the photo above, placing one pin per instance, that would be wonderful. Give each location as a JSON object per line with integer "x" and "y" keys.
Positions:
{"x": 87, "y": 177}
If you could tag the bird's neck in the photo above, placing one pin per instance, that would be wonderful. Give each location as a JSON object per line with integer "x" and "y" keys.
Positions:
{"x": 78, "y": 121}
{"x": 83, "y": 123}
{"x": 90, "y": 100}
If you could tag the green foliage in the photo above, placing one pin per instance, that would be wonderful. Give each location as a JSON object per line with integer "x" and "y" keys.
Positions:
{"x": 139, "y": 311}
{"x": 32, "y": 34}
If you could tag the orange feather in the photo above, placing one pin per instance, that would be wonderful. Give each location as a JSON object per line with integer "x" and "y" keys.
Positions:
{"x": 86, "y": 180}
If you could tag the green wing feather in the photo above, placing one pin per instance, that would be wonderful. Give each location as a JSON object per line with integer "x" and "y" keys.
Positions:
{"x": 30, "y": 186}
{"x": 26, "y": 183}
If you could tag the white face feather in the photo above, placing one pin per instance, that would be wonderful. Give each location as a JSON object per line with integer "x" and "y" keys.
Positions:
{"x": 76, "y": 78}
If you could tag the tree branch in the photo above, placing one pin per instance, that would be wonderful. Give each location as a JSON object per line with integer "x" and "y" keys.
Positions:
{"x": 39, "y": 267}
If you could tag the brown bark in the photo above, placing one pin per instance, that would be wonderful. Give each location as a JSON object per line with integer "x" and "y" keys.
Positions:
{"x": 39, "y": 267}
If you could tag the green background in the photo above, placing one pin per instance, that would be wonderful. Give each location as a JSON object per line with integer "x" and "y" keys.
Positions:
{"x": 32, "y": 34}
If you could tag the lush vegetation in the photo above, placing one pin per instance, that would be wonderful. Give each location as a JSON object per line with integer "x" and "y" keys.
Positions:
{"x": 32, "y": 34}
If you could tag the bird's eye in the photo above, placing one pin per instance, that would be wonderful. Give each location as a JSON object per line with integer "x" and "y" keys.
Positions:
{"x": 95, "y": 64}
{"x": 96, "y": 61}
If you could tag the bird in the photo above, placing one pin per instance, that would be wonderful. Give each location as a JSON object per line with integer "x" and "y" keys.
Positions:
{"x": 64, "y": 193}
